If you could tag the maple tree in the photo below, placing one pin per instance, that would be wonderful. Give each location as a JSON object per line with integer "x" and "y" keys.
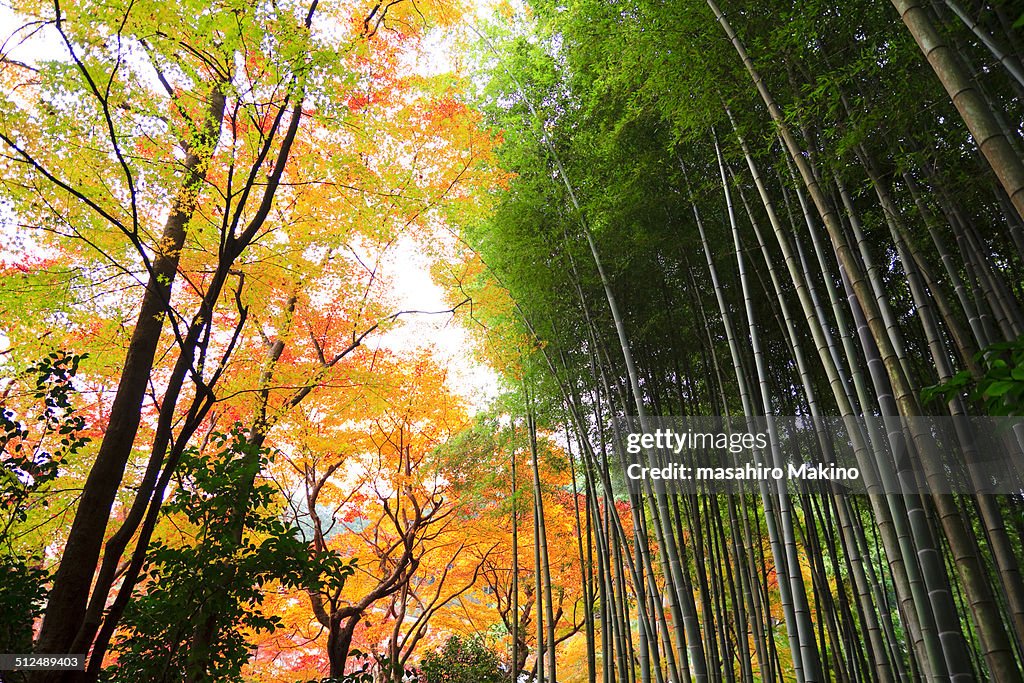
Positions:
{"x": 219, "y": 218}
{"x": 381, "y": 504}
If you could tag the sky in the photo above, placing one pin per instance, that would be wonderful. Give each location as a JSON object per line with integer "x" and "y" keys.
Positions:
{"x": 414, "y": 290}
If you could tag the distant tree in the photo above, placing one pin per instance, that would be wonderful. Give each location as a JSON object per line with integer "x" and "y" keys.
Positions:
{"x": 463, "y": 660}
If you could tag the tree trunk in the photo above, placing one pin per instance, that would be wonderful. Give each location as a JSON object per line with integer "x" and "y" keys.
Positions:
{"x": 71, "y": 582}
{"x": 973, "y": 108}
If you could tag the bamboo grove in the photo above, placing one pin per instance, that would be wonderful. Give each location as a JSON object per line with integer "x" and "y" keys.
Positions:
{"x": 767, "y": 209}
{"x": 217, "y": 464}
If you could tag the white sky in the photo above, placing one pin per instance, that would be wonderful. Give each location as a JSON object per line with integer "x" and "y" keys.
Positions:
{"x": 451, "y": 344}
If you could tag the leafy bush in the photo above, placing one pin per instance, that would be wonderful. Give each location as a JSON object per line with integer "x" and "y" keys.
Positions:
{"x": 215, "y": 574}
{"x": 22, "y": 596}
{"x": 34, "y": 443}
{"x": 1000, "y": 388}
{"x": 463, "y": 660}
{"x": 33, "y": 446}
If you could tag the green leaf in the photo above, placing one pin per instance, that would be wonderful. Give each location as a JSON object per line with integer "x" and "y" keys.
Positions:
{"x": 998, "y": 388}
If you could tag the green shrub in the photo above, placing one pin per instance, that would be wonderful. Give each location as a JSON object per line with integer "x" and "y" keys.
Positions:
{"x": 463, "y": 661}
